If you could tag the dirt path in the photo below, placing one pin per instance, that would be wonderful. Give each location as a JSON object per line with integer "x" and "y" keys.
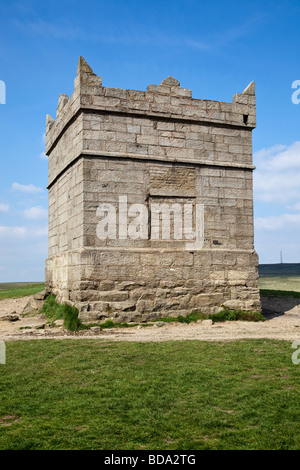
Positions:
{"x": 282, "y": 322}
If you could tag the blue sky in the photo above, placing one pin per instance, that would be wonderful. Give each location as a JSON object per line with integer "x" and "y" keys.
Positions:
{"x": 216, "y": 48}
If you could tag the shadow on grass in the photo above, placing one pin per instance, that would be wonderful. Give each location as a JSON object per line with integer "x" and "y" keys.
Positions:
{"x": 276, "y": 302}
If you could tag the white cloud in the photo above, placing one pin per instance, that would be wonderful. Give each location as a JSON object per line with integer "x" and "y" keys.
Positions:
{"x": 10, "y": 233}
{"x": 277, "y": 175}
{"x": 42, "y": 231}
{"x": 133, "y": 32}
{"x": 36, "y": 212}
{"x": 4, "y": 207}
{"x": 277, "y": 184}
{"x": 280, "y": 222}
{"x": 295, "y": 207}
{"x": 23, "y": 251}
{"x": 269, "y": 244}
{"x": 42, "y": 155}
{"x": 30, "y": 188}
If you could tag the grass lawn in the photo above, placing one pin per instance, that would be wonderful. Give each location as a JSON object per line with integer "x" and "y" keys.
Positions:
{"x": 283, "y": 283}
{"x": 184, "y": 395}
{"x": 15, "y": 290}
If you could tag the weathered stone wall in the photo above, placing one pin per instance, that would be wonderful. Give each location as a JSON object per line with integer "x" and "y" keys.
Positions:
{"x": 158, "y": 146}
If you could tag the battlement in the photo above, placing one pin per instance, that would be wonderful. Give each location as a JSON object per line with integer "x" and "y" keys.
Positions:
{"x": 167, "y": 102}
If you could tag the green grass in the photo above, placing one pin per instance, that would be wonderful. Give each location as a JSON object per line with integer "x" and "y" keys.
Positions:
{"x": 280, "y": 283}
{"x": 280, "y": 286}
{"x": 19, "y": 289}
{"x": 279, "y": 293}
{"x": 184, "y": 395}
{"x": 111, "y": 324}
{"x": 55, "y": 311}
{"x": 224, "y": 315}
{"x": 68, "y": 313}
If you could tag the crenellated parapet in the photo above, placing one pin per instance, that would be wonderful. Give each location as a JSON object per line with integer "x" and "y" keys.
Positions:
{"x": 165, "y": 102}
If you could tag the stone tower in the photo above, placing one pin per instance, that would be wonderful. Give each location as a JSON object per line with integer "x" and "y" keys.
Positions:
{"x": 150, "y": 201}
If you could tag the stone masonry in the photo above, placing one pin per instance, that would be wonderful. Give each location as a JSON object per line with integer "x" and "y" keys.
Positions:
{"x": 152, "y": 148}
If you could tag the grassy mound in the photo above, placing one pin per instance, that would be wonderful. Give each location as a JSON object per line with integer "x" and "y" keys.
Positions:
{"x": 55, "y": 311}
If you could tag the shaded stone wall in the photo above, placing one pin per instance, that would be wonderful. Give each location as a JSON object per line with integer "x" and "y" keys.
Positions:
{"x": 155, "y": 147}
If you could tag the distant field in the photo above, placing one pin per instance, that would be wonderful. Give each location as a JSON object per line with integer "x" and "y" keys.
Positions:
{"x": 289, "y": 283}
{"x": 284, "y": 269}
{"x": 14, "y": 285}
{"x": 10, "y": 290}
{"x": 280, "y": 277}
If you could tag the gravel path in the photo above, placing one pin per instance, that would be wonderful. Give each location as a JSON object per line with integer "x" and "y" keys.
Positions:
{"x": 282, "y": 322}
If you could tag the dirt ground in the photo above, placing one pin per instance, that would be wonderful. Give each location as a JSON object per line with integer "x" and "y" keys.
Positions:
{"x": 17, "y": 322}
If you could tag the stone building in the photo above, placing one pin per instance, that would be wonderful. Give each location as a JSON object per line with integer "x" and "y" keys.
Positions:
{"x": 150, "y": 201}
